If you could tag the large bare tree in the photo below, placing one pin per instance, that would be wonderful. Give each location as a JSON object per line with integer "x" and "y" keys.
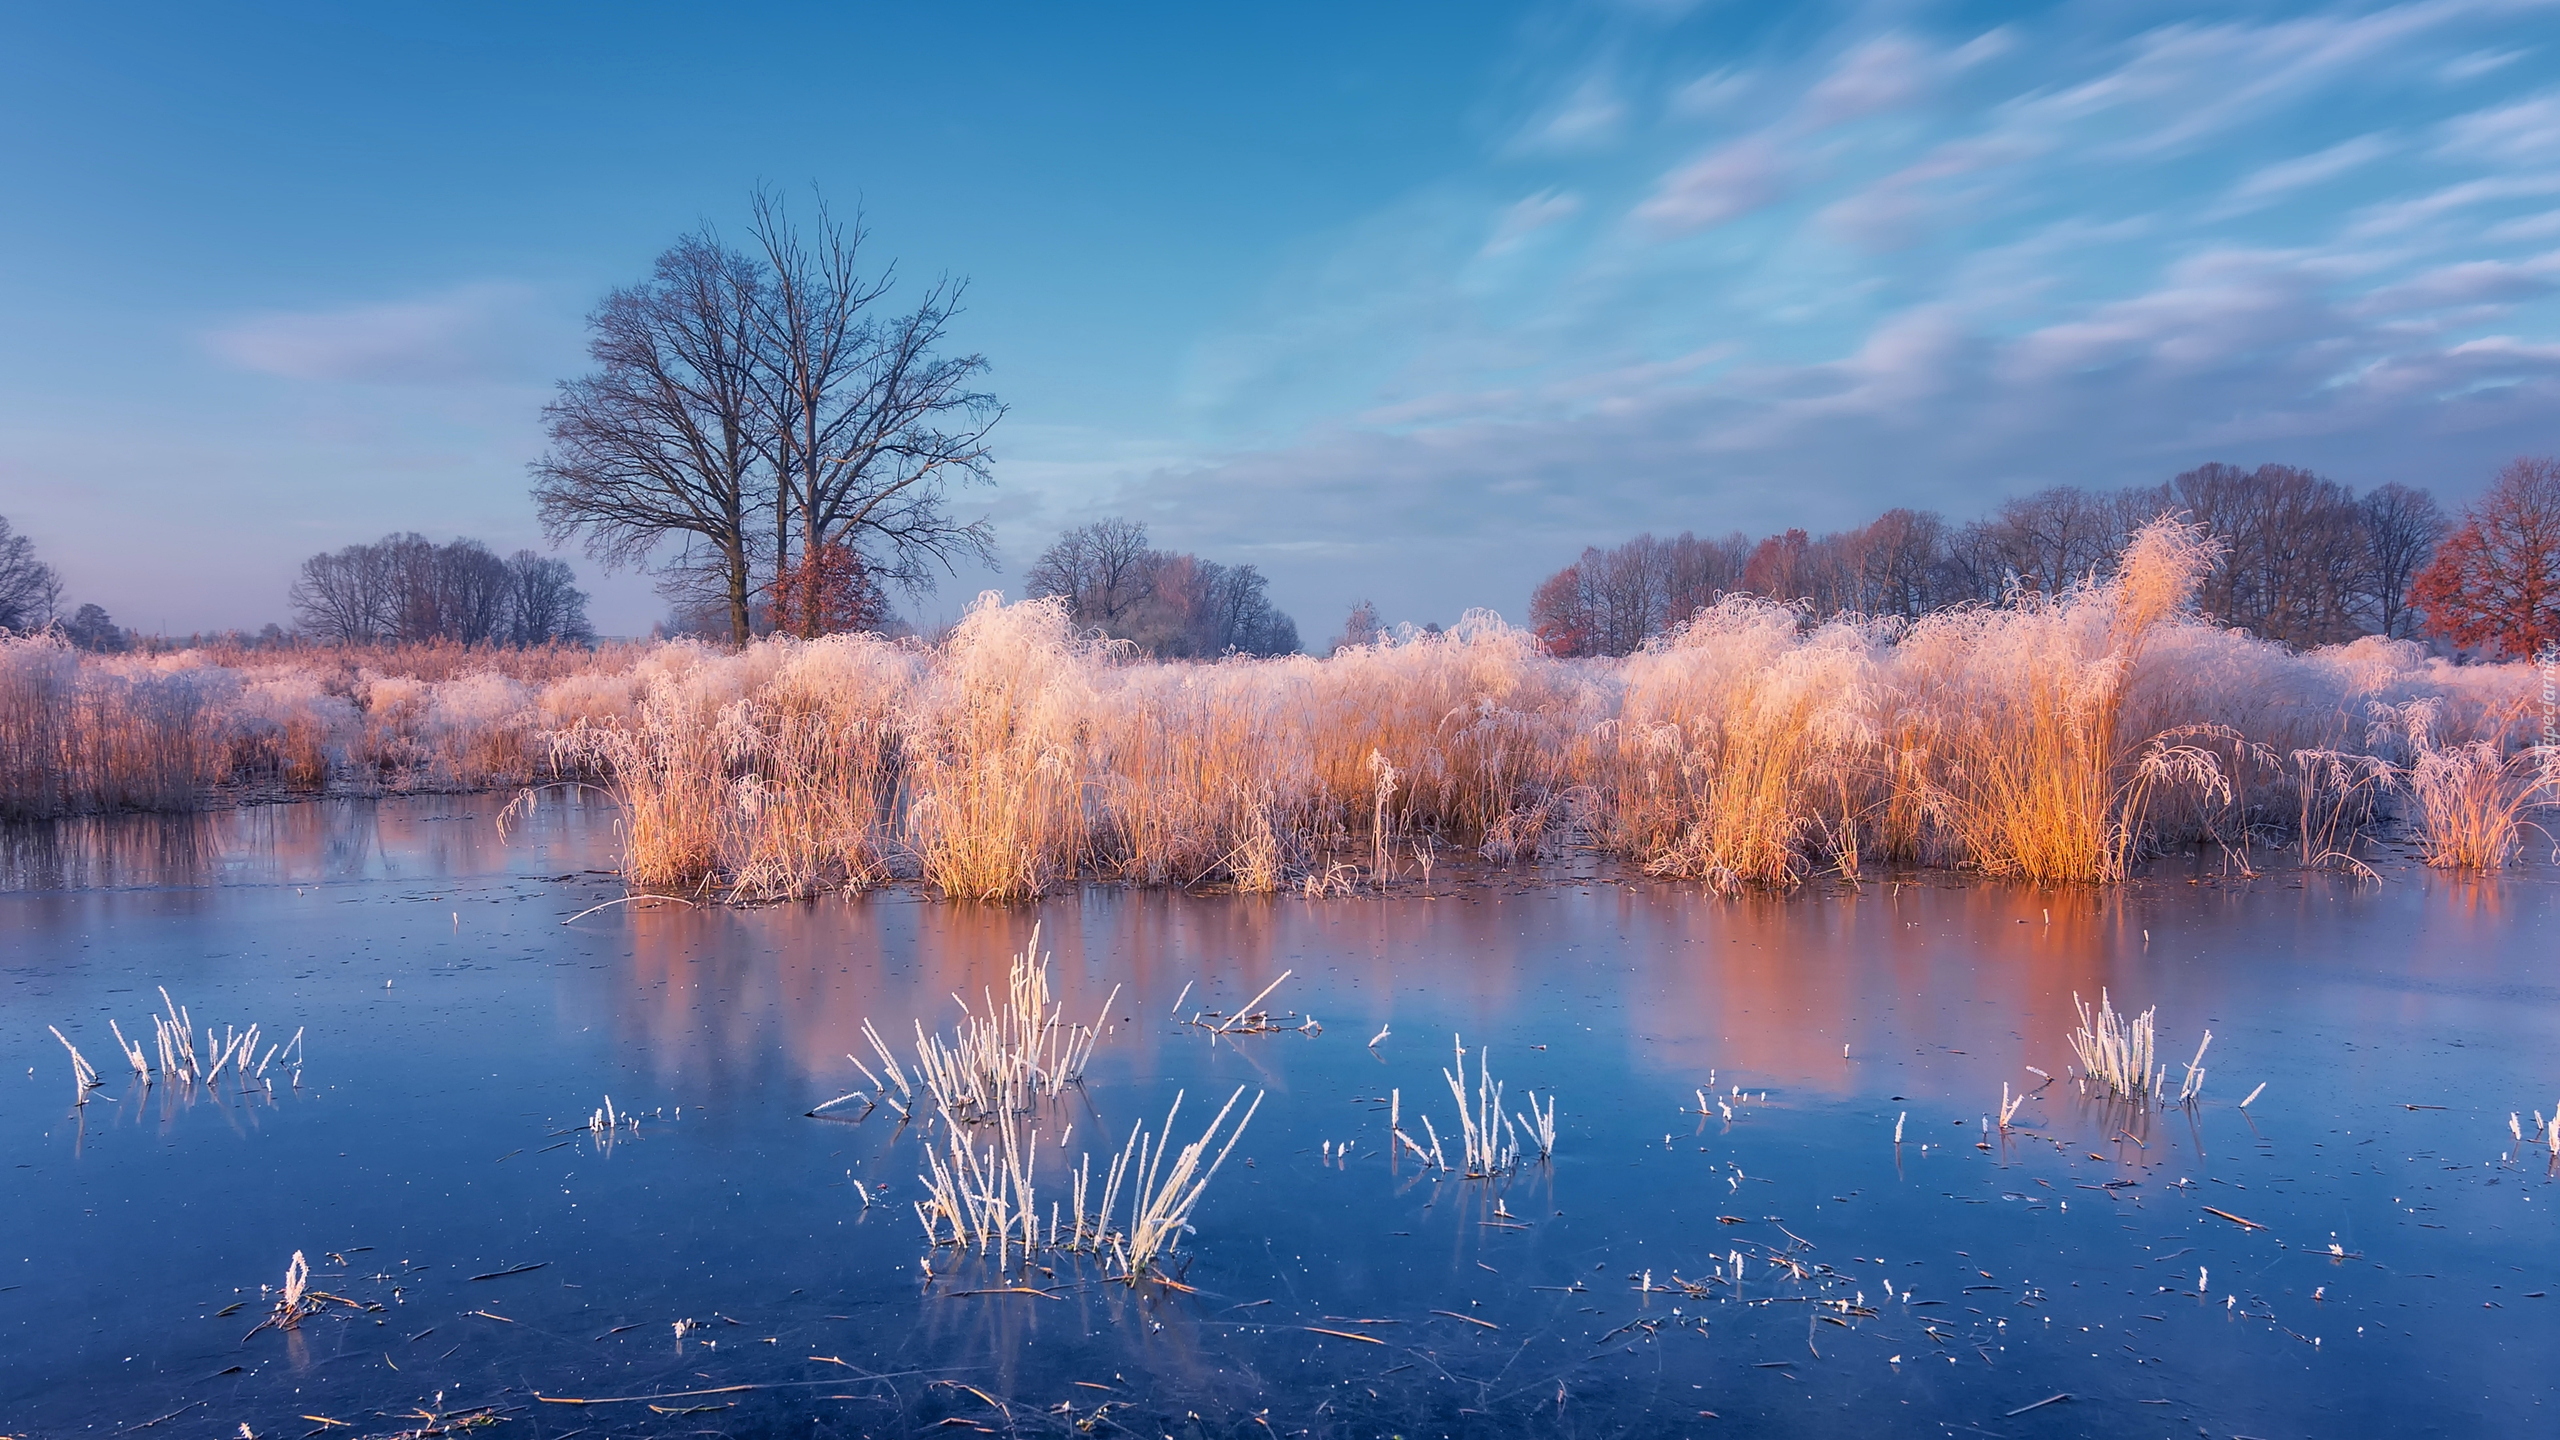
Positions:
{"x": 671, "y": 436}
{"x": 762, "y": 409}
{"x": 869, "y": 422}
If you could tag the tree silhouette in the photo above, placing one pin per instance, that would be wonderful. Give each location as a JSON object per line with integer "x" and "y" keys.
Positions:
{"x": 28, "y": 586}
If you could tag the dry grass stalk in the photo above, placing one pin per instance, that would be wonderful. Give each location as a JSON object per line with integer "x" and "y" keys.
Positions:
{"x": 163, "y": 731}
{"x": 182, "y": 1061}
{"x": 2338, "y": 796}
{"x": 2055, "y": 738}
{"x": 1162, "y": 1200}
{"x": 605, "y": 1124}
{"x": 297, "y": 1278}
{"x": 1002, "y": 1062}
{"x": 2193, "y": 1085}
{"x": 2545, "y": 1132}
{"x": 1250, "y": 1020}
{"x": 1382, "y": 823}
{"x": 2044, "y": 775}
{"x": 1488, "y": 1137}
{"x": 84, "y": 1076}
{"x": 2116, "y": 1052}
{"x": 988, "y": 1199}
{"x": 2474, "y": 800}
{"x": 296, "y": 1301}
{"x": 133, "y": 1054}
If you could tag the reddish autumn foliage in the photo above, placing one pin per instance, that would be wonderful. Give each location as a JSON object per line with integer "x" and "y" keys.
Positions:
{"x": 2495, "y": 583}
{"x": 1561, "y": 616}
{"x": 1778, "y": 567}
{"x": 830, "y": 591}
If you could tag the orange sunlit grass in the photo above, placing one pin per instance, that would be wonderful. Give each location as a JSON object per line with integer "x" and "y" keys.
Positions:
{"x": 2055, "y": 738}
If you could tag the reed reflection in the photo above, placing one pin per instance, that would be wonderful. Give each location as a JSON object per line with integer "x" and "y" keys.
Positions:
{"x": 801, "y": 979}
{"x": 307, "y": 843}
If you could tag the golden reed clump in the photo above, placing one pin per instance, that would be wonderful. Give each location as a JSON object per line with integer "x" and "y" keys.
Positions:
{"x": 2053, "y": 738}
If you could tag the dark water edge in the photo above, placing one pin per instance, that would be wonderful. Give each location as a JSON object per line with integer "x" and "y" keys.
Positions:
{"x": 434, "y": 1138}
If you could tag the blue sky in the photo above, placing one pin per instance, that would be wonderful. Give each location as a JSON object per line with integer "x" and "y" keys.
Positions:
{"x": 1405, "y": 301}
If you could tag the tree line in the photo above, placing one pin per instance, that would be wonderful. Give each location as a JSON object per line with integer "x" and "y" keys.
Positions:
{"x": 768, "y": 412}
{"x": 31, "y": 592}
{"x": 406, "y": 589}
{"x": 1171, "y": 605}
{"x": 2308, "y": 561}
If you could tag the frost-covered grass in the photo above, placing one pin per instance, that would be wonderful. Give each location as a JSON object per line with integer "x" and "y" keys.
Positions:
{"x": 2056, "y": 738}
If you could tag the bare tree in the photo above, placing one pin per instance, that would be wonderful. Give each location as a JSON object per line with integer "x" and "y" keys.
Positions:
{"x": 1240, "y": 618}
{"x": 2310, "y": 564}
{"x": 1610, "y": 602}
{"x": 2402, "y": 528}
{"x": 1360, "y": 627}
{"x": 91, "y": 628}
{"x": 870, "y": 423}
{"x": 1102, "y": 570}
{"x": 1903, "y": 555}
{"x": 1172, "y": 606}
{"x": 2295, "y": 549}
{"x": 544, "y": 602}
{"x": 1198, "y": 609}
{"x": 1696, "y": 571}
{"x": 345, "y": 596}
{"x": 2057, "y": 536}
{"x": 456, "y": 591}
{"x": 29, "y": 589}
{"x": 671, "y": 435}
{"x": 408, "y": 588}
{"x": 1627, "y": 593}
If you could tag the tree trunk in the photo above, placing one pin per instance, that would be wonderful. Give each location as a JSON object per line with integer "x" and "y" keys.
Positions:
{"x": 741, "y": 625}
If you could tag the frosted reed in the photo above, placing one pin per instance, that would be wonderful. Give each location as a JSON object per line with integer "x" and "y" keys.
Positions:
{"x": 1019, "y": 1051}
{"x": 2116, "y": 1052}
{"x": 2056, "y": 738}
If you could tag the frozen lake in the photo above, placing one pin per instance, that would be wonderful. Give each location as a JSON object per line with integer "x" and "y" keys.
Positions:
{"x": 1785, "y": 1269}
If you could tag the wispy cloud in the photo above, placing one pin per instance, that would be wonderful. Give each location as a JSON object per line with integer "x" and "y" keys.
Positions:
{"x": 2270, "y": 183}
{"x": 1904, "y": 206}
{"x": 1884, "y": 73}
{"x": 1587, "y": 117}
{"x": 1724, "y": 184}
{"x": 2526, "y": 132}
{"x": 1527, "y": 217}
{"x": 1712, "y": 93}
{"x": 2463, "y": 68}
{"x": 1923, "y": 268}
{"x": 471, "y": 333}
{"x": 2396, "y": 216}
